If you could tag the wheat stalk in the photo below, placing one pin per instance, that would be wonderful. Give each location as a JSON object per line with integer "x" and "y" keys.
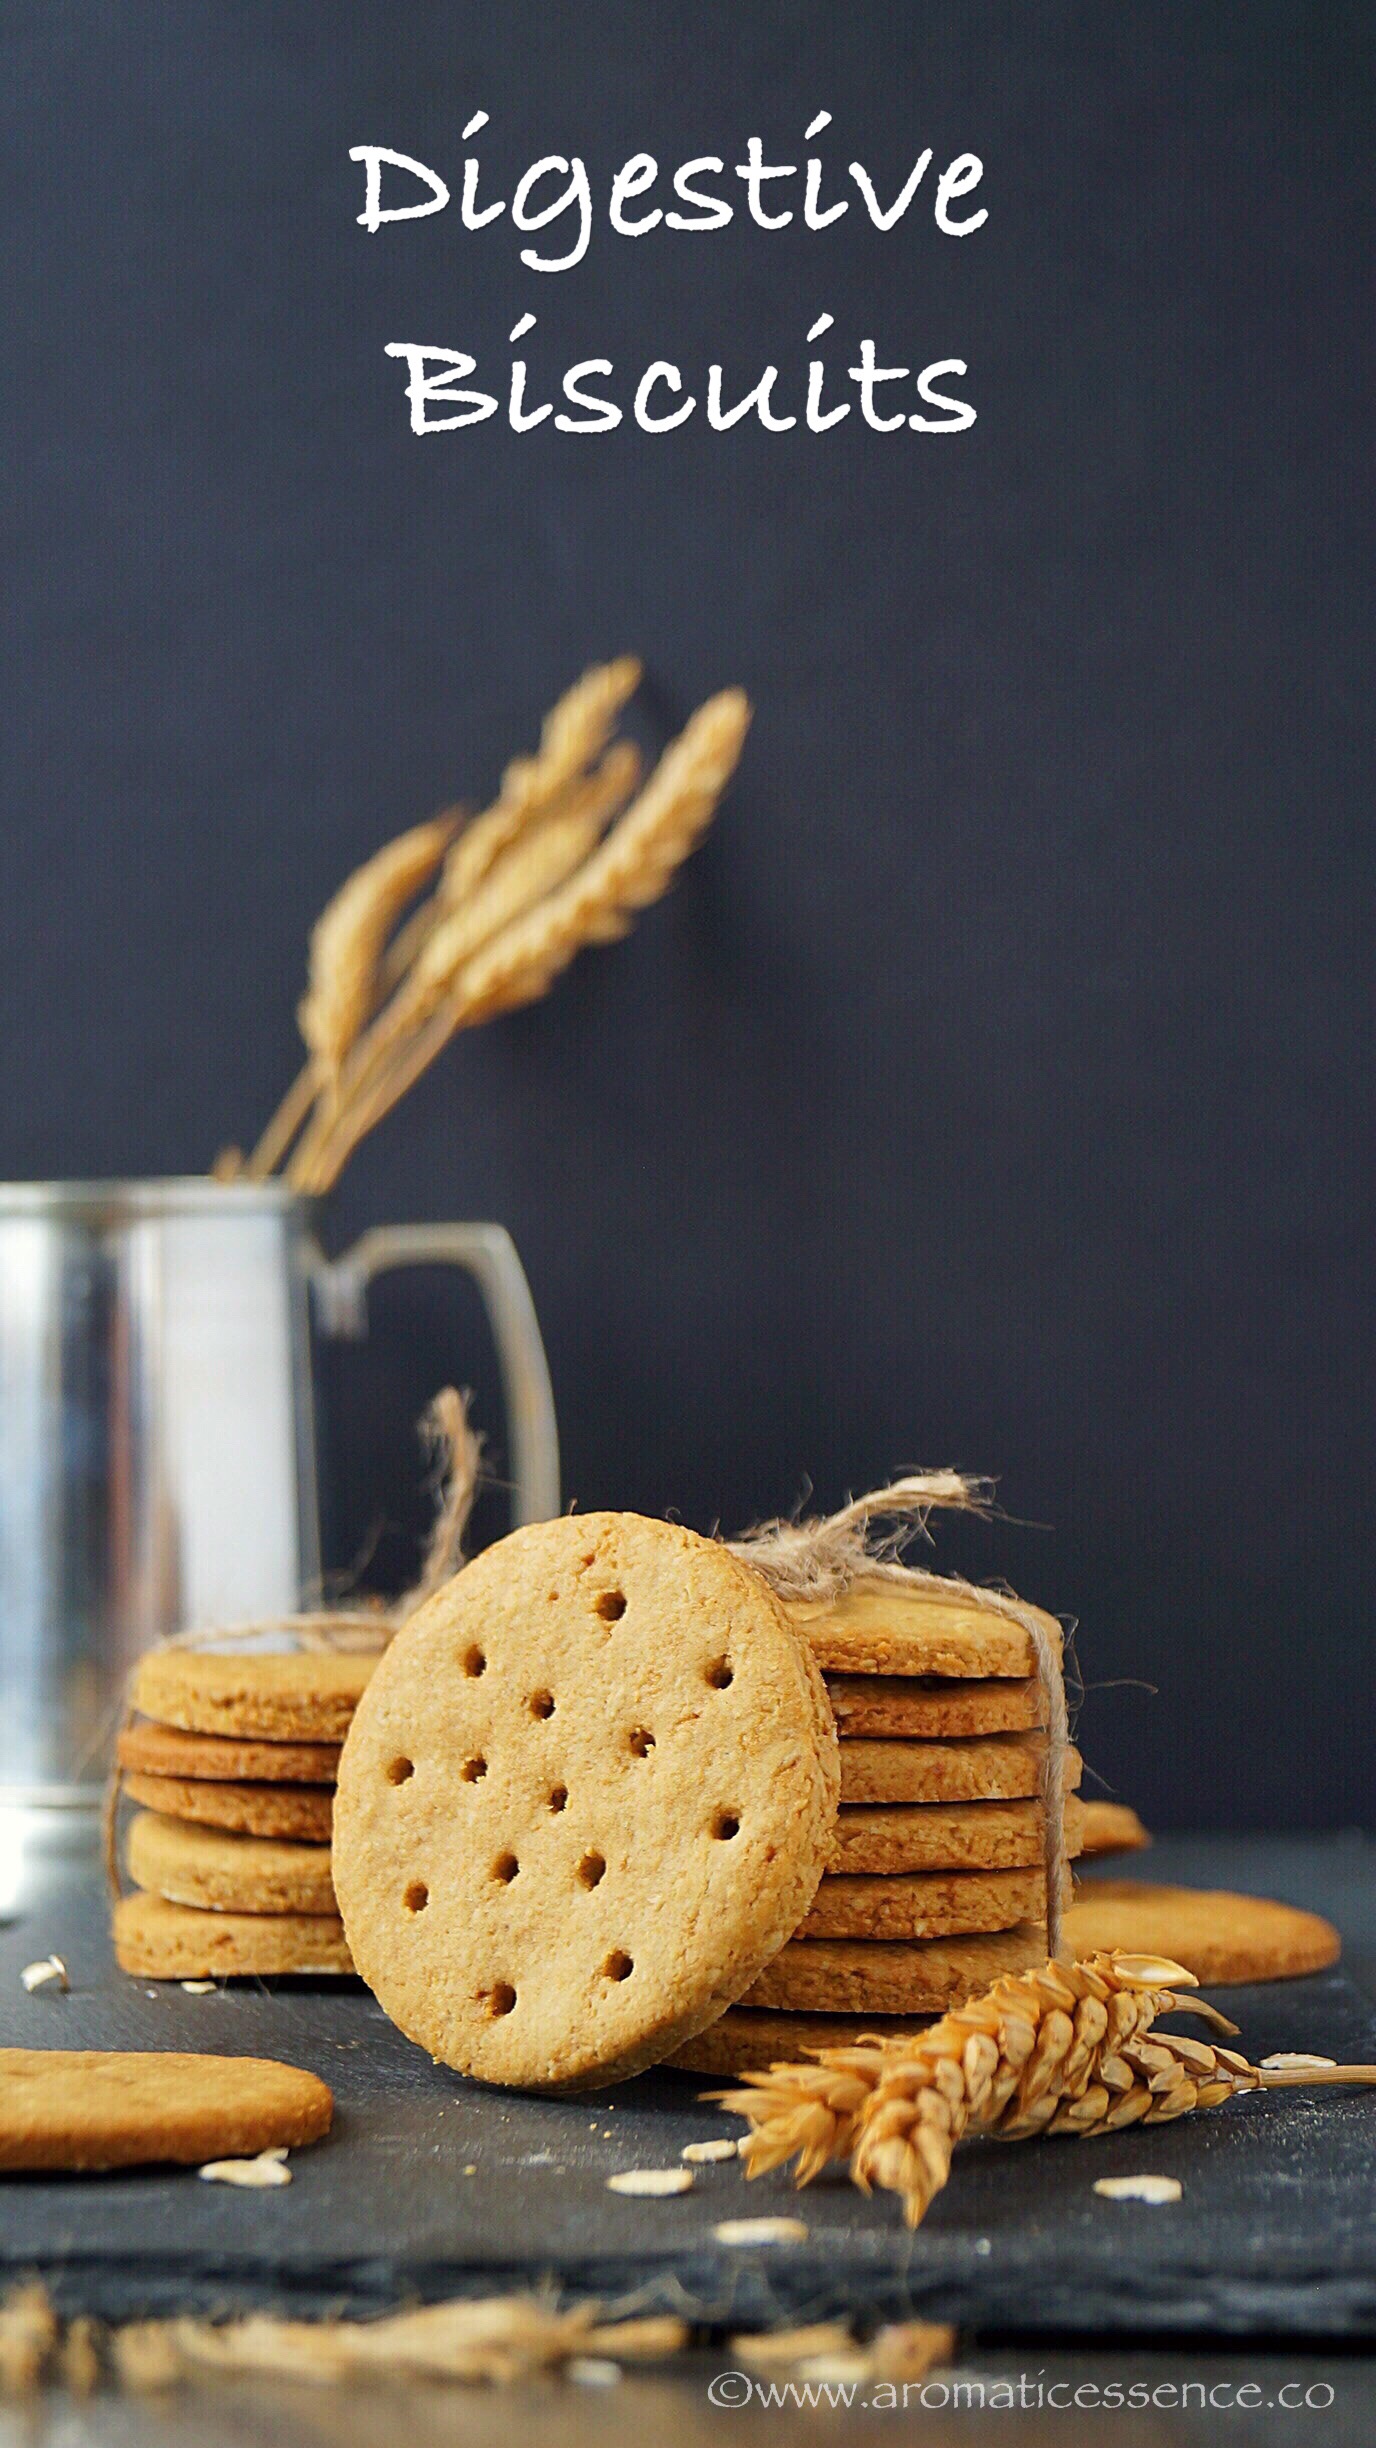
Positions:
{"x": 1067, "y": 2049}
{"x": 574, "y": 732}
{"x": 547, "y": 853}
{"x": 518, "y": 893}
{"x": 632, "y": 867}
{"x": 544, "y": 857}
{"x": 347, "y": 943}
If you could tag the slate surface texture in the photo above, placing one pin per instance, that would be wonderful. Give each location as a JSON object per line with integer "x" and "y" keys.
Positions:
{"x": 431, "y": 2186}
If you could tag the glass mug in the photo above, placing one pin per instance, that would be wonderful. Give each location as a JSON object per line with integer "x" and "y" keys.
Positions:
{"x": 157, "y": 1430}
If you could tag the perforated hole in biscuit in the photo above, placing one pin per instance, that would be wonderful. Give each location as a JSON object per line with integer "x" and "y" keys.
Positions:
{"x": 500, "y": 1998}
{"x": 618, "y": 1966}
{"x": 417, "y": 1896}
{"x": 611, "y": 1606}
{"x": 559, "y": 1797}
{"x": 474, "y": 1662}
{"x": 398, "y": 1770}
{"x": 505, "y": 1868}
{"x": 719, "y": 1673}
{"x": 542, "y": 1704}
{"x": 592, "y": 1869}
{"x": 725, "y": 1825}
{"x": 473, "y": 1769}
{"x": 640, "y": 1742}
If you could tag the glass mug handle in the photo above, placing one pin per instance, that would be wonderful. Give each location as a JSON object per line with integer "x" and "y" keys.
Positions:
{"x": 488, "y": 1254}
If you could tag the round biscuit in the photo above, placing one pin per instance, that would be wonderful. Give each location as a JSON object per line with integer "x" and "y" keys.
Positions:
{"x": 108, "y": 2108}
{"x": 302, "y": 1812}
{"x": 925, "y": 1904}
{"x": 883, "y": 1976}
{"x": 883, "y": 1839}
{"x": 159, "y": 1750}
{"x": 964, "y": 1768}
{"x": 294, "y": 1696}
{"x": 883, "y": 1628}
{"x": 933, "y": 1704}
{"x": 749, "y": 2038}
{"x": 155, "y": 1940}
{"x": 1221, "y": 1938}
{"x": 1112, "y": 1827}
{"x": 588, "y": 1794}
{"x": 215, "y": 1872}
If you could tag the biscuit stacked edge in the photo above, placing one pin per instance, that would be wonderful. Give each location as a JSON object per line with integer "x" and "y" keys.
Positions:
{"x": 232, "y": 1762}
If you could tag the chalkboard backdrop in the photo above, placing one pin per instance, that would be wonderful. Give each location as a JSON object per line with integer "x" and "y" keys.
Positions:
{"x": 992, "y": 1088}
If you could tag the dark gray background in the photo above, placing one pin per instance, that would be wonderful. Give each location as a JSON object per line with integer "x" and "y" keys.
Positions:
{"x": 992, "y": 1089}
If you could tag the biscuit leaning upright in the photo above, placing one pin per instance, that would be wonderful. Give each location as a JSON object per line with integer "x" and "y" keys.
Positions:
{"x": 587, "y": 1796}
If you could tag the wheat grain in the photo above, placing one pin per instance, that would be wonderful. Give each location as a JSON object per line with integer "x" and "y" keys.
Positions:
{"x": 535, "y": 866}
{"x": 347, "y": 943}
{"x": 1069, "y": 2049}
{"x": 574, "y": 732}
{"x": 632, "y": 867}
{"x": 545, "y": 857}
{"x": 351, "y": 934}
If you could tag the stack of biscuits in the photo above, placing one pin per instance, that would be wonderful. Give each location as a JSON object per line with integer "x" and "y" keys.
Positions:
{"x": 936, "y": 1882}
{"x": 231, "y": 1761}
{"x": 935, "y": 1867}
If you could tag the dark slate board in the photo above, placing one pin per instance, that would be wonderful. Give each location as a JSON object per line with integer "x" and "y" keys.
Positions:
{"x": 1275, "y": 2232}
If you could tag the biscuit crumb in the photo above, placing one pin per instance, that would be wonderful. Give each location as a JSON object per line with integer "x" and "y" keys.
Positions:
{"x": 652, "y": 2181}
{"x": 702, "y": 2154}
{"x": 1294, "y": 2061}
{"x": 269, "y": 2168}
{"x": 40, "y": 1975}
{"x": 1154, "y": 2189}
{"x": 761, "y": 2231}
{"x": 199, "y": 1988}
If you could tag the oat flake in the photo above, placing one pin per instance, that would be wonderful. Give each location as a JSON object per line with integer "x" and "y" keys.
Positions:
{"x": 269, "y": 2168}
{"x": 39, "y": 1975}
{"x": 651, "y": 2182}
{"x": 1139, "y": 2188}
{"x": 761, "y": 2231}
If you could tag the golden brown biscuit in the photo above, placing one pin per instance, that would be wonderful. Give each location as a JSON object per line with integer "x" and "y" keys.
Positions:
{"x": 926, "y": 1904}
{"x": 969, "y": 1768}
{"x": 156, "y": 1940}
{"x": 1110, "y": 1827}
{"x": 887, "y": 1838}
{"x": 109, "y": 2108}
{"x": 748, "y": 2037}
{"x": 879, "y": 1976}
{"x": 1221, "y": 1938}
{"x": 884, "y": 1629}
{"x": 588, "y": 1794}
{"x": 302, "y": 1812}
{"x": 930, "y": 1705}
{"x": 301, "y": 1697}
{"x": 203, "y": 1867}
{"x": 156, "y": 1750}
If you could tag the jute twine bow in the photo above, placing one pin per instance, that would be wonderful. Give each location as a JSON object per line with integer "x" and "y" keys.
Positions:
{"x": 357, "y": 1630}
{"x": 828, "y": 1555}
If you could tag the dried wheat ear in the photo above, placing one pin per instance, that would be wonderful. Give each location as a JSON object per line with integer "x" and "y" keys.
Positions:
{"x": 573, "y": 845}
{"x": 1070, "y": 2049}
